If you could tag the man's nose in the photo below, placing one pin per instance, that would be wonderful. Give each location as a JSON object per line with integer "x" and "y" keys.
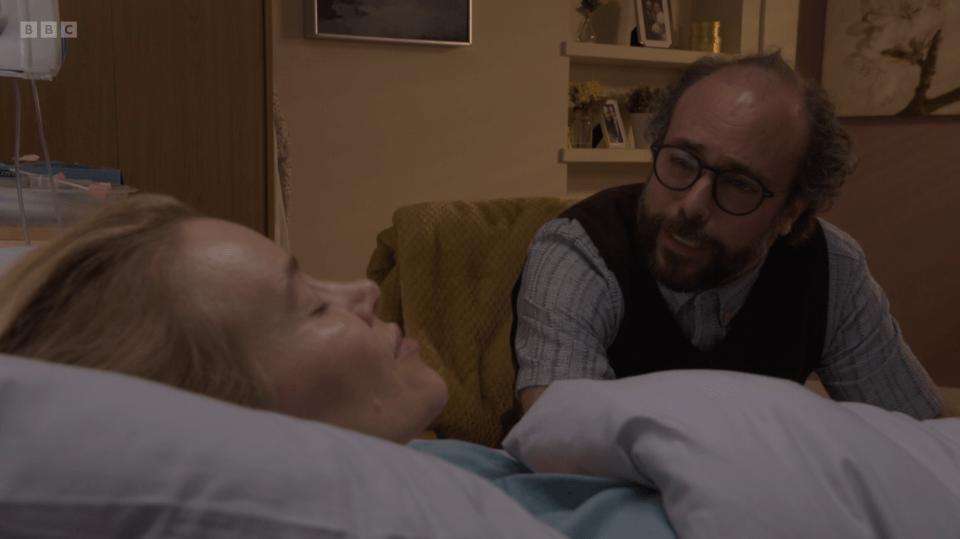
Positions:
{"x": 697, "y": 200}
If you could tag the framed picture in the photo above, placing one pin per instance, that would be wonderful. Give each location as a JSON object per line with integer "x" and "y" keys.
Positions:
{"x": 653, "y": 23}
{"x": 884, "y": 59}
{"x": 418, "y": 22}
{"x": 612, "y": 125}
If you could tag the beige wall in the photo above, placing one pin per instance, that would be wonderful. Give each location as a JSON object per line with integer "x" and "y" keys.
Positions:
{"x": 377, "y": 126}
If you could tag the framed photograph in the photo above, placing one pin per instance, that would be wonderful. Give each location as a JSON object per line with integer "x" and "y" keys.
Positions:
{"x": 892, "y": 59}
{"x": 612, "y": 125}
{"x": 653, "y": 23}
{"x": 417, "y": 22}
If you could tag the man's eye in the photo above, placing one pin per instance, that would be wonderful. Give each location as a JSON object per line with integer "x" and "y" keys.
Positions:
{"x": 741, "y": 184}
{"x": 319, "y": 310}
{"x": 682, "y": 162}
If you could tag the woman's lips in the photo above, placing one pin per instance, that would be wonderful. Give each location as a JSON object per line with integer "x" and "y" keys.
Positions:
{"x": 407, "y": 347}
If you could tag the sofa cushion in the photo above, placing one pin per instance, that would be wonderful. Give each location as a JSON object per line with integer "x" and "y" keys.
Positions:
{"x": 446, "y": 270}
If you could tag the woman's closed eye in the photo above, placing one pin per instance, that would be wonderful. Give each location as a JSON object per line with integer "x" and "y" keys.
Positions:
{"x": 319, "y": 311}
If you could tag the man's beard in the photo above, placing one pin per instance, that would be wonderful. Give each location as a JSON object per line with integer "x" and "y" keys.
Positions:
{"x": 721, "y": 264}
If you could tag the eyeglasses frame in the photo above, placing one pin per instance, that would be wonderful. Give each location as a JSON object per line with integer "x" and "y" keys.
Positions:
{"x": 717, "y": 172}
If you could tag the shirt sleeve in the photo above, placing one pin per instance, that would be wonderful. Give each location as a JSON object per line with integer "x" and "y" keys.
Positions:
{"x": 569, "y": 308}
{"x": 865, "y": 358}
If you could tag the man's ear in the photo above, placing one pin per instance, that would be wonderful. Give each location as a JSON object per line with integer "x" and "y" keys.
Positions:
{"x": 790, "y": 215}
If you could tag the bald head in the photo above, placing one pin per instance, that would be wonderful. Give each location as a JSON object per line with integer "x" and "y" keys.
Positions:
{"x": 740, "y": 87}
{"x": 748, "y": 115}
{"x": 752, "y": 85}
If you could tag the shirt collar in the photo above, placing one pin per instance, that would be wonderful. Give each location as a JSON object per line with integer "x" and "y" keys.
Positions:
{"x": 732, "y": 295}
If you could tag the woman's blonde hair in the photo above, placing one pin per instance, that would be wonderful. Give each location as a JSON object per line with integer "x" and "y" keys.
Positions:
{"x": 104, "y": 294}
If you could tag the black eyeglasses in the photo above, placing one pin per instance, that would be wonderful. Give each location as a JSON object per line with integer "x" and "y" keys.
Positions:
{"x": 734, "y": 192}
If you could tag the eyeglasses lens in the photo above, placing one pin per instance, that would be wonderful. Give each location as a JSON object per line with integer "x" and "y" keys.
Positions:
{"x": 735, "y": 193}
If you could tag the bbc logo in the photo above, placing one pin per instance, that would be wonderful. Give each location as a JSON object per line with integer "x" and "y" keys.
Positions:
{"x": 48, "y": 29}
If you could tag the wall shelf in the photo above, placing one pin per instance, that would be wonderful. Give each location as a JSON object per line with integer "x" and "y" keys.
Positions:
{"x": 599, "y": 53}
{"x": 604, "y": 155}
{"x": 748, "y": 26}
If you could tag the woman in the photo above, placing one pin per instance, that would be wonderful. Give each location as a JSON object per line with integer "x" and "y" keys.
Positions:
{"x": 150, "y": 288}
{"x": 221, "y": 311}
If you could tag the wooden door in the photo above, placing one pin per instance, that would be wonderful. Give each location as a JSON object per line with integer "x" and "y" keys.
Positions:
{"x": 172, "y": 92}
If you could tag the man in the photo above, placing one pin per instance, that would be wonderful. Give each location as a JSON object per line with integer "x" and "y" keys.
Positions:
{"x": 718, "y": 261}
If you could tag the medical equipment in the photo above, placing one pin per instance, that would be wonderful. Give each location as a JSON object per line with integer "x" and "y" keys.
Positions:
{"x": 30, "y": 58}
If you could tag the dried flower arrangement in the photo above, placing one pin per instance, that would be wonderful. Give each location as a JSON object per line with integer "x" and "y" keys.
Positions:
{"x": 585, "y": 95}
{"x": 641, "y": 97}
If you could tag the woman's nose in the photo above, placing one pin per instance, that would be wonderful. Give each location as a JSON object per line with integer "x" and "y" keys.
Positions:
{"x": 363, "y": 298}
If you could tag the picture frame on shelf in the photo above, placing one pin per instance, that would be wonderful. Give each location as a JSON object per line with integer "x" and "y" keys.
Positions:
{"x": 611, "y": 122}
{"x": 653, "y": 23}
{"x": 447, "y": 23}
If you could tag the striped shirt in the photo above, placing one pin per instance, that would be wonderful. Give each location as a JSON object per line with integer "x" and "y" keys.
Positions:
{"x": 570, "y": 308}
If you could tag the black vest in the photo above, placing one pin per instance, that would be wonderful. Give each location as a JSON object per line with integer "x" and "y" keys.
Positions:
{"x": 779, "y": 331}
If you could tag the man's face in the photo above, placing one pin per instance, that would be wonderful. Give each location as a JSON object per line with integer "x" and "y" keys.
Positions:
{"x": 742, "y": 118}
{"x": 649, "y": 6}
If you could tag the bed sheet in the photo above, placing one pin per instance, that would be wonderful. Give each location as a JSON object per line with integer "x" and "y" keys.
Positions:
{"x": 580, "y": 507}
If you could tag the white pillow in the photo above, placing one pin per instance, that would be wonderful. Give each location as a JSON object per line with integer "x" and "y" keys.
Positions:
{"x": 746, "y": 456}
{"x": 90, "y": 454}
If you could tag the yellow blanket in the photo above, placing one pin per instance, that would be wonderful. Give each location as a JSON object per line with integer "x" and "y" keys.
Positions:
{"x": 446, "y": 270}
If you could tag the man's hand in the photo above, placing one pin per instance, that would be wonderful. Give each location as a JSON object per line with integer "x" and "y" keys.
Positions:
{"x": 529, "y": 395}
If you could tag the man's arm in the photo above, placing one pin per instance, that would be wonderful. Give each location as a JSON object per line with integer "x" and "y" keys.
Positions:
{"x": 568, "y": 311}
{"x": 865, "y": 358}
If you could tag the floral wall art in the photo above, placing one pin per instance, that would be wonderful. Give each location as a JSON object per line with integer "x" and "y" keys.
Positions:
{"x": 893, "y": 57}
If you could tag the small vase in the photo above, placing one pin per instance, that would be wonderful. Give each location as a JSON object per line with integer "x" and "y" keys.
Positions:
{"x": 587, "y": 34}
{"x": 581, "y": 131}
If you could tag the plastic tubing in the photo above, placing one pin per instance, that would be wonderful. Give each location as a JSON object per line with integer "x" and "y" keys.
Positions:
{"x": 16, "y": 161}
{"x": 46, "y": 154}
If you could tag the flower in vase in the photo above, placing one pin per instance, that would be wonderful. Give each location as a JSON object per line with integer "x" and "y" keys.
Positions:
{"x": 585, "y": 95}
{"x": 640, "y": 98}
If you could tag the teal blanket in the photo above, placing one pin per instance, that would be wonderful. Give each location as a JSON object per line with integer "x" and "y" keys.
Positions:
{"x": 578, "y": 506}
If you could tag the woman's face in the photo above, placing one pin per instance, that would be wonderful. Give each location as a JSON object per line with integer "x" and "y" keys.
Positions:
{"x": 319, "y": 344}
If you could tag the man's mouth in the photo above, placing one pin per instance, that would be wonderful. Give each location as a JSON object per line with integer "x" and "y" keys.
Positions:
{"x": 693, "y": 244}
{"x": 689, "y": 243}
